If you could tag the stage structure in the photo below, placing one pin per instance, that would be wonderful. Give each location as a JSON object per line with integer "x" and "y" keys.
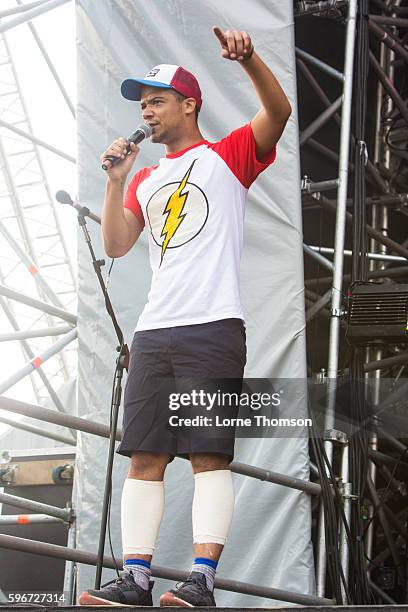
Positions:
{"x": 37, "y": 274}
{"x": 354, "y": 188}
{"x": 35, "y": 264}
{"x": 358, "y": 531}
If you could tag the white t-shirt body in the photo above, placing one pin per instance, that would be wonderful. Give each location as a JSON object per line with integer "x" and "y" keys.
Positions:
{"x": 193, "y": 204}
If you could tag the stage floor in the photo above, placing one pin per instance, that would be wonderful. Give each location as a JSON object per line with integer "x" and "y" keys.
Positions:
{"x": 387, "y": 608}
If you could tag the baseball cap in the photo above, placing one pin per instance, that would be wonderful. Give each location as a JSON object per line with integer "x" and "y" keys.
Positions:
{"x": 167, "y": 76}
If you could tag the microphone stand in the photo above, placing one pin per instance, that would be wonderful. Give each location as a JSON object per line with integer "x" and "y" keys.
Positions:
{"x": 122, "y": 363}
{"x": 63, "y": 197}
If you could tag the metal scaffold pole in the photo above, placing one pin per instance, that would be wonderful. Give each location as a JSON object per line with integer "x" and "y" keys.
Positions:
{"x": 336, "y": 298}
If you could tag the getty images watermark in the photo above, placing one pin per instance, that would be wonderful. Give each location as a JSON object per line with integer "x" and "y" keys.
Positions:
{"x": 291, "y": 408}
{"x": 213, "y": 407}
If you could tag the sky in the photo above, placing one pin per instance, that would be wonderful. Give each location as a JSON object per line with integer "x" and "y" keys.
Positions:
{"x": 52, "y": 122}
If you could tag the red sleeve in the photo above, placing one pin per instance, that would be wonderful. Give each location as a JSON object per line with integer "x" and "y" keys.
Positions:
{"x": 238, "y": 150}
{"x": 131, "y": 200}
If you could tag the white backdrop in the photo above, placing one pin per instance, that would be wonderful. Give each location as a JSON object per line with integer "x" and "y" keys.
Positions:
{"x": 270, "y": 538}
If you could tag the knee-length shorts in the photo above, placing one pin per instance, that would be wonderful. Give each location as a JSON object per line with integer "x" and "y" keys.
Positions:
{"x": 171, "y": 361}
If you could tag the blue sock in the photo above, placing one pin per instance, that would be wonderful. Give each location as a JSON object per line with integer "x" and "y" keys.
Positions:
{"x": 140, "y": 570}
{"x": 208, "y": 567}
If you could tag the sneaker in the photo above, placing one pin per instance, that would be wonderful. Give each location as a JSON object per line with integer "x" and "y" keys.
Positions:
{"x": 189, "y": 594}
{"x": 119, "y": 592}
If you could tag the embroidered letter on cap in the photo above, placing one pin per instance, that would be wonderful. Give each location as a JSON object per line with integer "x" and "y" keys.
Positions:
{"x": 152, "y": 73}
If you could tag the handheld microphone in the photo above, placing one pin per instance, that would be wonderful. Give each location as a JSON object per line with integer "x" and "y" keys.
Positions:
{"x": 143, "y": 131}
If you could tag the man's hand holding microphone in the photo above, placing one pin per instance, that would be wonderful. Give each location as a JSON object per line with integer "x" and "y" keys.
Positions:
{"x": 120, "y": 227}
{"x": 124, "y": 152}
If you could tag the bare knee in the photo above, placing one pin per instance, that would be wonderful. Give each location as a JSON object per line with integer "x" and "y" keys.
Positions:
{"x": 206, "y": 462}
{"x": 148, "y": 466}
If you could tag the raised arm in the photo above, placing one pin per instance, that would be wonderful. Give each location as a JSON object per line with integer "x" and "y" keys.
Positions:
{"x": 269, "y": 122}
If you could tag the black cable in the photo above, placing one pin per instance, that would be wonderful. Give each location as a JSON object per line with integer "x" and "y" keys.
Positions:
{"x": 406, "y": 552}
{"x": 359, "y": 232}
{"x": 382, "y": 501}
{"x": 338, "y": 498}
{"x": 315, "y": 325}
{"x": 332, "y": 507}
{"x": 110, "y": 427}
{"x": 330, "y": 523}
{"x": 359, "y": 439}
{"x": 388, "y": 133}
{"x": 387, "y": 488}
{"x": 110, "y": 536}
{"x": 111, "y": 266}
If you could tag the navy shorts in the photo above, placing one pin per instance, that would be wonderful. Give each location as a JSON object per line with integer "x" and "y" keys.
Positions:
{"x": 215, "y": 350}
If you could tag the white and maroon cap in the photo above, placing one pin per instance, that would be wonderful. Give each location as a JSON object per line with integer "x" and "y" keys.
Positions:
{"x": 167, "y": 76}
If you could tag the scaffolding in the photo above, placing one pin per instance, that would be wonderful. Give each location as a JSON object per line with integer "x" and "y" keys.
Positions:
{"x": 35, "y": 241}
{"x": 386, "y": 182}
{"x": 37, "y": 274}
{"x": 34, "y": 251}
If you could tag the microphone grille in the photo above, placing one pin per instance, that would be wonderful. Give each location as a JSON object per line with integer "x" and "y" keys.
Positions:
{"x": 146, "y": 129}
{"x": 63, "y": 197}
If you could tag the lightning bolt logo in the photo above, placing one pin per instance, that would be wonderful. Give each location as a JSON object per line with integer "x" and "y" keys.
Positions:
{"x": 173, "y": 210}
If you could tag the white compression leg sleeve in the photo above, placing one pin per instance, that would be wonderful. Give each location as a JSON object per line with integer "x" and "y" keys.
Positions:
{"x": 213, "y": 506}
{"x": 141, "y": 514}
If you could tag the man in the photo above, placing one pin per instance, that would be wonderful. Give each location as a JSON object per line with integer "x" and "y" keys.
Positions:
{"x": 192, "y": 325}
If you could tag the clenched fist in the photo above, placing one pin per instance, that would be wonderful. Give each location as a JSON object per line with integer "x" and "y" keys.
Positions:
{"x": 235, "y": 45}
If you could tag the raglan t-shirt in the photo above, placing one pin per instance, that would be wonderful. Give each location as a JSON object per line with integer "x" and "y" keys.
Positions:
{"x": 192, "y": 204}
